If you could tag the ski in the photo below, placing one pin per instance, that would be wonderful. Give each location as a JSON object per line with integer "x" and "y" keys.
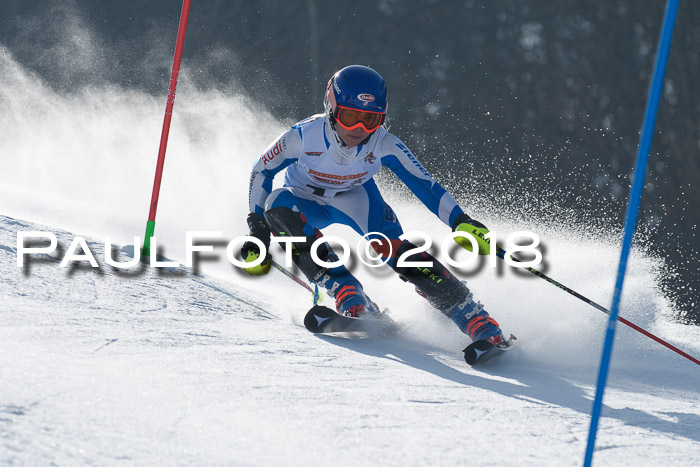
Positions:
{"x": 323, "y": 320}
{"x": 481, "y": 351}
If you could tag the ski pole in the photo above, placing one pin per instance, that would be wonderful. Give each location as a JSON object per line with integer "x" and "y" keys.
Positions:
{"x": 501, "y": 253}
{"x": 318, "y": 297}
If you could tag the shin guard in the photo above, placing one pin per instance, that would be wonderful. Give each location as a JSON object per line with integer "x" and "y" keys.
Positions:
{"x": 436, "y": 283}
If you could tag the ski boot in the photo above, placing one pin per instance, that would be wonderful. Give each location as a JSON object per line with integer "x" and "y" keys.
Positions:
{"x": 475, "y": 322}
{"x": 350, "y": 300}
{"x": 487, "y": 338}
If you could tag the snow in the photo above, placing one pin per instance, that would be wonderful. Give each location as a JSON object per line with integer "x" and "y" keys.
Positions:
{"x": 144, "y": 366}
{"x": 175, "y": 367}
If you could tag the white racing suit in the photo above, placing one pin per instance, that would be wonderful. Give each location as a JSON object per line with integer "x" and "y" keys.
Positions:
{"x": 327, "y": 182}
{"x": 330, "y": 183}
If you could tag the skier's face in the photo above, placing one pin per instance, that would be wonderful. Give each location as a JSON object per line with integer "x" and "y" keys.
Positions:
{"x": 351, "y": 137}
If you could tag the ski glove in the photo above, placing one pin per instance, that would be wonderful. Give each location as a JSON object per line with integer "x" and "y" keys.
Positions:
{"x": 250, "y": 251}
{"x": 464, "y": 223}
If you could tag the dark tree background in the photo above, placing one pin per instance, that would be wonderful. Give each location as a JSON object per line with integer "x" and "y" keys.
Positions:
{"x": 538, "y": 104}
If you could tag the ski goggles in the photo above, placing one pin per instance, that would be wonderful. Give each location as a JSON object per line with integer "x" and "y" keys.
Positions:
{"x": 352, "y": 118}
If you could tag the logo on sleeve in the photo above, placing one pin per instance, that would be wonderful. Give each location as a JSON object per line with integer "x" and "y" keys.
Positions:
{"x": 275, "y": 151}
{"x": 413, "y": 159}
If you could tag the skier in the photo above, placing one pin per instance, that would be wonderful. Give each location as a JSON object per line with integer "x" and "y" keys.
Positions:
{"x": 330, "y": 161}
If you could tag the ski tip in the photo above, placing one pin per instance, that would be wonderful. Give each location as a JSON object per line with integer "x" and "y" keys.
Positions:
{"x": 482, "y": 350}
{"x": 316, "y": 317}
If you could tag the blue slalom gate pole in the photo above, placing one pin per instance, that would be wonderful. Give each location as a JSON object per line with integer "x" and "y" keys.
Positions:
{"x": 632, "y": 212}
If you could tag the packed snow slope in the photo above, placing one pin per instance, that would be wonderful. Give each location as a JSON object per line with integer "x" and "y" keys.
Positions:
{"x": 99, "y": 365}
{"x": 166, "y": 366}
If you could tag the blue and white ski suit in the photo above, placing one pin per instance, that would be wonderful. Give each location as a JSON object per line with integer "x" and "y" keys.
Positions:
{"x": 331, "y": 183}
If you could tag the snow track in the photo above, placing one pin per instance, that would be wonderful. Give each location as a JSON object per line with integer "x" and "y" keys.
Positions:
{"x": 100, "y": 367}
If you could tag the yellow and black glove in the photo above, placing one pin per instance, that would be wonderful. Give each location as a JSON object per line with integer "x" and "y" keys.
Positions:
{"x": 464, "y": 223}
{"x": 250, "y": 251}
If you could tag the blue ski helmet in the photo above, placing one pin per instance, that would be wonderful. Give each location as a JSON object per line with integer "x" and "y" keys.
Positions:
{"x": 356, "y": 87}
